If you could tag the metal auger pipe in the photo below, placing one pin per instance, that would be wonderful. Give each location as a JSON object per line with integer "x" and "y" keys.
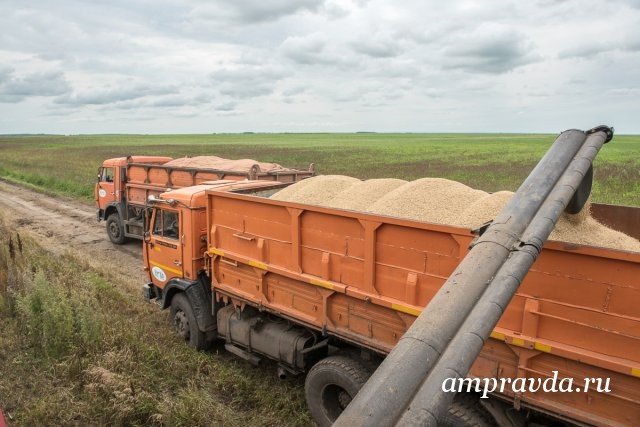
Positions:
{"x": 430, "y": 401}
{"x": 385, "y": 397}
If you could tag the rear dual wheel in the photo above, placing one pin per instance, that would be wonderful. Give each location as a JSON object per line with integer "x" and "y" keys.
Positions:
{"x": 331, "y": 385}
{"x": 333, "y": 382}
{"x": 466, "y": 411}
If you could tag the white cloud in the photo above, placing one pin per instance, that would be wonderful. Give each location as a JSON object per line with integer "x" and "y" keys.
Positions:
{"x": 234, "y": 65}
{"x": 490, "y": 49}
{"x": 115, "y": 94}
{"x": 16, "y": 88}
{"x": 252, "y": 11}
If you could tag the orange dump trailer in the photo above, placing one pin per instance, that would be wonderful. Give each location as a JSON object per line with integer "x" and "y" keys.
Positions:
{"x": 125, "y": 184}
{"x": 330, "y": 292}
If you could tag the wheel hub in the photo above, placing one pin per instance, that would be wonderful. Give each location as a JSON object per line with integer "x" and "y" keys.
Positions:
{"x": 182, "y": 324}
{"x": 344, "y": 399}
{"x": 114, "y": 230}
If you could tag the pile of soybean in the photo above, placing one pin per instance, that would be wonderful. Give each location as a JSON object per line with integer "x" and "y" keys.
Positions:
{"x": 440, "y": 201}
{"x": 215, "y": 162}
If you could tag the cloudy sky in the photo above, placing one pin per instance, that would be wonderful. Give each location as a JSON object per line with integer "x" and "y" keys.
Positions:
{"x": 199, "y": 66}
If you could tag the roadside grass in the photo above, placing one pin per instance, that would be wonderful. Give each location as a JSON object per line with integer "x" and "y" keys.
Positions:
{"x": 77, "y": 350}
{"x": 67, "y": 165}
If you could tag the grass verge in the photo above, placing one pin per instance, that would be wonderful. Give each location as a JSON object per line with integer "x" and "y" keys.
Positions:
{"x": 74, "y": 349}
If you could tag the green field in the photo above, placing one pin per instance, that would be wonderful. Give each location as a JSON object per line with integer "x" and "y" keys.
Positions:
{"x": 67, "y": 164}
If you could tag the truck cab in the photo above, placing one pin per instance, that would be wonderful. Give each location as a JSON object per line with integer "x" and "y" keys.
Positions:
{"x": 175, "y": 240}
{"x": 109, "y": 192}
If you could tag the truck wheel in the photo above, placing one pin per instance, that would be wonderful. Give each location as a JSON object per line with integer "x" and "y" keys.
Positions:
{"x": 185, "y": 323}
{"x": 466, "y": 411}
{"x": 331, "y": 385}
{"x": 115, "y": 229}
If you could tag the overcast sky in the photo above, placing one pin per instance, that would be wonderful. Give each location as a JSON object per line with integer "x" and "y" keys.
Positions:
{"x": 200, "y": 66}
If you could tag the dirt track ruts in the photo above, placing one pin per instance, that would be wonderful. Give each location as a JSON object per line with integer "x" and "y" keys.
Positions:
{"x": 62, "y": 225}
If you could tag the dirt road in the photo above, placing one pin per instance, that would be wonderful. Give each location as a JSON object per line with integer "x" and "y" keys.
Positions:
{"x": 62, "y": 225}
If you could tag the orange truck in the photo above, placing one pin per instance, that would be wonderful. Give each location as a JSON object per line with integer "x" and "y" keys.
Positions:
{"x": 125, "y": 184}
{"x": 329, "y": 292}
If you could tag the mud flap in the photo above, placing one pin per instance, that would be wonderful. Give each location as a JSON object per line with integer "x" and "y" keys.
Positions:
{"x": 200, "y": 299}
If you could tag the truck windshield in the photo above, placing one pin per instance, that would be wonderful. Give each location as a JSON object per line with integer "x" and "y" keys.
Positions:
{"x": 166, "y": 224}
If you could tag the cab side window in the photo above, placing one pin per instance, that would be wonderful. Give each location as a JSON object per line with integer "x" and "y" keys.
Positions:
{"x": 157, "y": 225}
{"x": 106, "y": 175}
{"x": 166, "y": 224}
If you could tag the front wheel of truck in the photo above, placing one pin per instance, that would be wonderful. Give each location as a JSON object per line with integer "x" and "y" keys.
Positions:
{"x": 115, "y": 229}
{"x": 185, "y": 324}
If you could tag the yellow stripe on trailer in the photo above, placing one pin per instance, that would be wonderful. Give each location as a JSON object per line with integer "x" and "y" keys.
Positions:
{"x": 517, "y": 341}
{"x": 321, "y": 283}
{"x": 257, "y": 264}
{"x": 406, "y": 309}
{"x": 497, "y": 335}
{"x": 542, "y": 347}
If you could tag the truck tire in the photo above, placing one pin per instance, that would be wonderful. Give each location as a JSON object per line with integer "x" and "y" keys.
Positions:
{"x": 185, "y": 323}
{"x": 331, "y": 384}
{"x": 466, "y": 411}
{"x": 115, "y": 229}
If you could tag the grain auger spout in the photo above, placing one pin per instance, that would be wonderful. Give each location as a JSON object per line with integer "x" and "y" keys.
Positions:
{"x": 444, "y": 341}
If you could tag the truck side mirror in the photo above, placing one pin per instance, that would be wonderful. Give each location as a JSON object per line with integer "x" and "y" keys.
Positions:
{"x": 147, "y": 236}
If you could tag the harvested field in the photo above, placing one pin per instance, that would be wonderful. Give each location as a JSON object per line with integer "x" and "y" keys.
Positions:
{"x": 489, "y": 162}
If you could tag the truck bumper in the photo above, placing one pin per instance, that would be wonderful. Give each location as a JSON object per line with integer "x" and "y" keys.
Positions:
{"x": 148, "y": 292}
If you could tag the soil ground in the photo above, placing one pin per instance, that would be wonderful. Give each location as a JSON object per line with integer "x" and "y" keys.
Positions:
{"x": 61, "y": 224}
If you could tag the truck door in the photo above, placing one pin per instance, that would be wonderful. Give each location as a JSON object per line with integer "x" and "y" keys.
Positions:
{"x": 164, "y": 247}
{"x": 106, "y": 187}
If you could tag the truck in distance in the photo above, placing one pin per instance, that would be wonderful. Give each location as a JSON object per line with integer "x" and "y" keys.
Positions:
{"x": 125, "y": 184}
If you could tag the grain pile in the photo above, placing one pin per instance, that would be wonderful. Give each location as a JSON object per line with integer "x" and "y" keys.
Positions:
{"x": 484, "y": 209}
{"x": 215, "y": 162}
{"x": 287, "y": 193}
{"x": 580, "y": 228}
{"x": 441, "y": 201}
{"x": 363, "y": 194}
{"x": 428, "y": 199}
{"x": 317, "y": 190}
{"x": 591, "y": 232}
